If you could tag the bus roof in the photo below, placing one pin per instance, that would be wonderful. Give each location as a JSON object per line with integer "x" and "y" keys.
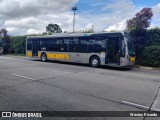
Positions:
{"x": 79, "y": 35}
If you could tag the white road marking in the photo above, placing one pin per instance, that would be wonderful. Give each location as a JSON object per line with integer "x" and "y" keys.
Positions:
{"x": 136, "y": 105}
{"x": 140, "y": 106}
{"x": 23, "y": 77}
{"x": 155, "y": 109}
{"x": 156, "y": 102}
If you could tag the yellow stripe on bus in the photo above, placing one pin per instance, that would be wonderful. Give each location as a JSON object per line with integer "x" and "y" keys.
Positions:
{"x": 55, "y": 56}
{"x": 29, "y": 54}
{"x": 39, "y": 54}
{"x": 58, "y": 56}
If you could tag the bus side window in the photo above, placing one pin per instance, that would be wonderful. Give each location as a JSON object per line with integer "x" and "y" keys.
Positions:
{"x": 54, "y": 44}
{"x": 49, "y": 44}
{"x": 58, "y": 44}
{"x": 99, "y": 44}
{"x": 66, "y": 45}
{"x": 42, "y": 44}
{"x": 84, "y": 44}
{"x": 74, "y": 45}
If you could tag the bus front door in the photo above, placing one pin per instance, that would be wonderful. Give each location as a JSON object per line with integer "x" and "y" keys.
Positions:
{"x": 35, "y": 48}
{"x": 113, "y": 57}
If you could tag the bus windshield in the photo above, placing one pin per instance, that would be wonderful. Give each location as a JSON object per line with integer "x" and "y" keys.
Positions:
{"x": 130, "y": 43}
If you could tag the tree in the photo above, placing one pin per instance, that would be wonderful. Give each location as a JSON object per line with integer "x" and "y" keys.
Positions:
{"x": 3, "y": 32}
{"x": 138, "y": 27}
{"x": 141, "y": 20}
{"x": 5, "y": 41}
{"x": 138, "y": 36}
{"x": 19, "y": 44}
{"x": 53, "y": 28}
{"x": 152, "y": 48}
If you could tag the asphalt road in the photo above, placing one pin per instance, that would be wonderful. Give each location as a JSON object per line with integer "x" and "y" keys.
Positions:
{"x": 31, "y": 85}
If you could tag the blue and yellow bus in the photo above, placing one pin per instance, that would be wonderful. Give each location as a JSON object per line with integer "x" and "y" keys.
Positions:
{"x": 96, "y": 49}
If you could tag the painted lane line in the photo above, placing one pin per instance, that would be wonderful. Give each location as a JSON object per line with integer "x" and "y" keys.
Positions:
{"x": 140, "y": 106}
{"x": 155, "y": 109}
{"x": 23, "y": 77}
{"x": 135, "y": 105}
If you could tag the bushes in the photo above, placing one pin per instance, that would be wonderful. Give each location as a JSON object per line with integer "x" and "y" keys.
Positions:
{"x": 152, "y": 56}
{"x": 19, "y": 44}
{"x": 153, "y": 37}
{"x": 152, "y": 50}
{"x": 147, "y": 46}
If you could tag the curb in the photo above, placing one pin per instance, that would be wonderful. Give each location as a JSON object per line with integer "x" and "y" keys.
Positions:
{"x": 16, "y": 56}
{"x": 148, "y": 68}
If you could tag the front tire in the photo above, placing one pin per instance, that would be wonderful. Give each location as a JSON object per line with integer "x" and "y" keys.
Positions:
{"x": 95, "y": 62}
{"x": 44, "y": 57}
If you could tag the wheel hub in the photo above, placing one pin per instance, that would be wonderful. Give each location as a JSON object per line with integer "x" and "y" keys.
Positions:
{"x": 43, "y": 57}
{"x": 94, "y": 62}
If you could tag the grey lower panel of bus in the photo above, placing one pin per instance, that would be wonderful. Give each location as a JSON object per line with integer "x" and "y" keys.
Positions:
{"x": 85, "y": 57}
{"x": 78, "y": 57}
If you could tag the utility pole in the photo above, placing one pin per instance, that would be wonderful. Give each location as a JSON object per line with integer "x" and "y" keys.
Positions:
{"x": 74, "y": 10}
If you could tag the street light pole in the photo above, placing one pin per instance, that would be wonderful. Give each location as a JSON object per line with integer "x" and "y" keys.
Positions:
{"x": 74, "y": 10}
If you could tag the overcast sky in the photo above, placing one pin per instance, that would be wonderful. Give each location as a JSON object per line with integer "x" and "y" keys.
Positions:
{"x": 21, "y": 17}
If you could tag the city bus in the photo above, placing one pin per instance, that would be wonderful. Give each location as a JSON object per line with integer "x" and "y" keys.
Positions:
{"x": 97, "y": 49}
{"x": 1, "y": 47}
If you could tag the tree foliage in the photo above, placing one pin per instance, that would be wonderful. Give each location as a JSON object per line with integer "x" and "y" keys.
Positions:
{"x": 152, "y": 48}
{"x": 53, "y": 28}
{"x": 138, "y": 28}
{"x": 141, "y": 20}
{"x": 5, "y": 41}
{"x": 152, "y": 56}
{"x": 153, "y": 37}
{"x": 138, "y": 36}
{"x": 3, "y": 32}
{"x": 19, "y": 44}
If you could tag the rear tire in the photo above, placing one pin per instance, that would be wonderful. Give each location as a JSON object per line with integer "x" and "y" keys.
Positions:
{"x": 95, "y": 62}
{"x": 44, "y": 57}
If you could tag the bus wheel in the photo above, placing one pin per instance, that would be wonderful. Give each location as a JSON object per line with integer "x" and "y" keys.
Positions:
{"x": 95, "y": 61}
{"x": 44, "y": 57}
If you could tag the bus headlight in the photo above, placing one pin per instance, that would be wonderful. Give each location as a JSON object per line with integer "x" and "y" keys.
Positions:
{"x": 132, "y": 59}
